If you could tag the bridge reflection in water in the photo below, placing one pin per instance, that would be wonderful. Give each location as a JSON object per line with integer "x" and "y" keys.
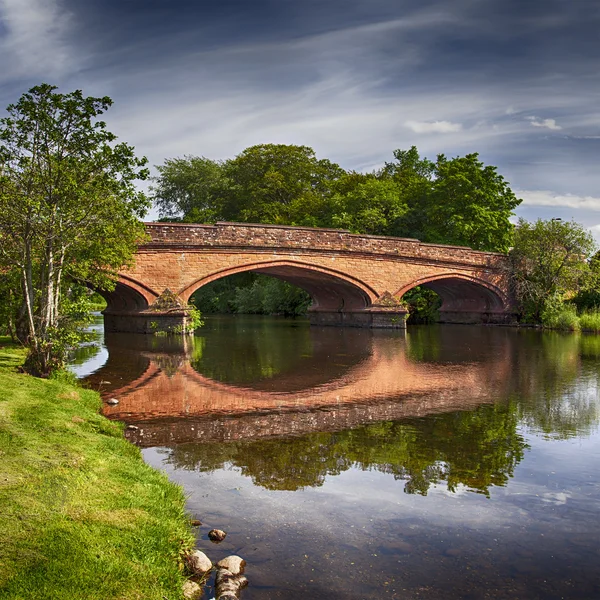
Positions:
{"x": 175, "y": 391}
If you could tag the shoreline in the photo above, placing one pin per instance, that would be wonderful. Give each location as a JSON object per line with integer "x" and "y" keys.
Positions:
{"x": 81, "y": 514}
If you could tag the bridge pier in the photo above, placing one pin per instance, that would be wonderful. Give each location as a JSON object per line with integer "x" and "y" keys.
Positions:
{"x": 149, "y": 322}
{"x": 373, "y": 318}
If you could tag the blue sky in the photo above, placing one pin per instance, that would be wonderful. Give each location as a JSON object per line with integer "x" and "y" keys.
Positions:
{"x": 516, "y": 80}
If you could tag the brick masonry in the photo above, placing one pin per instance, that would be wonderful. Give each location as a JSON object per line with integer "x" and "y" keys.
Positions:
{"x": 346, "y": 274}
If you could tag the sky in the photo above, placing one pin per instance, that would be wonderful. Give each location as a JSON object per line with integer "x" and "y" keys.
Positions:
{"x": 517, "y": 81}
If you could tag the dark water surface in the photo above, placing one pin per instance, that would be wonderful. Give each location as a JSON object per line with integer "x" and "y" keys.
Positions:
{"x": 442, "y": 463}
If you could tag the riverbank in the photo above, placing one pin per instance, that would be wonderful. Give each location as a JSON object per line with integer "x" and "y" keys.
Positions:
{"x": 81, "y": 514}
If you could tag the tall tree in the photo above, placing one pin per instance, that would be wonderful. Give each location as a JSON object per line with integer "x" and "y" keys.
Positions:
{"x": 453, "y": 201}
{"x": 69, "y": 209}
{"x": 470, "y": 204}
{"x": 366, "y": 203}
{"x": 191, "y": 188}
{"x": 278, "y": 183}
{"x": 550, "y": 263}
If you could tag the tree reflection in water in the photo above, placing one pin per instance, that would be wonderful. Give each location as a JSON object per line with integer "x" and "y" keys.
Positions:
{"x": 476, "y": 449}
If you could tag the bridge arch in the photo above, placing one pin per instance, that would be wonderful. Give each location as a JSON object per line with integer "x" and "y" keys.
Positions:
{"x": 462, "y": 295}
{"x": 329, "y": 289}
{"x": 128, "y": 296}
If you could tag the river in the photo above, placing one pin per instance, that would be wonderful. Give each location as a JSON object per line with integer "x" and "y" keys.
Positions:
{"x": 444, "y": 462}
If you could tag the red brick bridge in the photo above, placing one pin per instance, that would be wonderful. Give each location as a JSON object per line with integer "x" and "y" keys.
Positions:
{"x": 354, "y": 280}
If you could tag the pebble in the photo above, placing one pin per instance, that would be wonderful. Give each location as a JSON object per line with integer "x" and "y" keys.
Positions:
{"x": 112, "y": 401}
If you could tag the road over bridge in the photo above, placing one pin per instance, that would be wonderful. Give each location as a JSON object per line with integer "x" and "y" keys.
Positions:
{"x": 354, "y": 280}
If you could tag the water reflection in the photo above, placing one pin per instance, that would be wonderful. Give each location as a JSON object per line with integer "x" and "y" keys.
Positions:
{"x": 297, "y": 404}
{"x": 476, "y": 449}
{"x": 340, "y": 461}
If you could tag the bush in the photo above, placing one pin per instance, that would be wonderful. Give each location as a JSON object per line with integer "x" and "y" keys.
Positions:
{"x": 590, "y": 320}
{"x": 557, "y": 315}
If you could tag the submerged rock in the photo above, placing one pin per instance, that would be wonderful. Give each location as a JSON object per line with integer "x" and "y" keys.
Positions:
{"x": 228, "y": 585}
{"x": 216, "y": 535}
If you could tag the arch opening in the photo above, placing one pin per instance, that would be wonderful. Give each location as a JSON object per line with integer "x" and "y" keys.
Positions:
{"x": 463, "y": 299}
{"x": 328, "y": 291}
{"x": 123, "y": 299}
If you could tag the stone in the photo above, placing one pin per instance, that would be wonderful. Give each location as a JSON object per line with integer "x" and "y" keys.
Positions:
{"x": 195, "y": 523}
{"x": 132, "y": 428}
{"x": 191, "y": 590}
{"x": 234, "y": 564}
{"x": 198, "y": 563}
{"x": 112, "y": 401}
{"x": 216, "y": 535}
{"x": 228, "y": 585}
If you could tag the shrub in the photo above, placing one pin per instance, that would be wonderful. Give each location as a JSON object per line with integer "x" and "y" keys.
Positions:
{"x": 560, "y": 316}
{"x": 590, "y": 320}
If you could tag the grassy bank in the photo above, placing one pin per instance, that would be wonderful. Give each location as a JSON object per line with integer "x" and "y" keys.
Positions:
{"x": 81, "y": 515}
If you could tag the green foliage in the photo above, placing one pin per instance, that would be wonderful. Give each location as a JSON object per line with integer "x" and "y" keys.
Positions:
{"x": 423, "y": 305}
{"x": 194, "y": 318}
{"x": 549, "y": 265}
{"x": 470, "y": 205}
{"x": 367, "y": 204}
{"x": 250, "y": 293}
{"x": 590, "y": 320}
{"x": 69, "y": 212}
{"x": 558, "y": 315}
{"x": 190, "y": 186}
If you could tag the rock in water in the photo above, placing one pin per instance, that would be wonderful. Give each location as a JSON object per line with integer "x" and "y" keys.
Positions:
{"x": 234, "y": 564}
{"x": 228, "y": 585}
{"x": 229, "y": 580}
{"x": 198, "y": 563}
{"x": 216, "y": 535}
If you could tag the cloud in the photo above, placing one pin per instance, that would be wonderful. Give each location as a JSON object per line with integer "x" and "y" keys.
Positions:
{"x": 546, "y": 123}
{"x": 433, "y": 126}
{"x": 34, "y": 40}
{"x": 547, "y": 198}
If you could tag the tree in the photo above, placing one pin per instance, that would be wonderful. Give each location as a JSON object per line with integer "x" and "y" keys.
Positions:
{"x": 192, "y": 187}
{"x": 268, "y": 183}
{"x": 365, "y": 203}
{"x": 454, "y": 201}
{"x": 68, "y": 212}
{"x": 549, "y": 261}
{"x": 470, "y": 205}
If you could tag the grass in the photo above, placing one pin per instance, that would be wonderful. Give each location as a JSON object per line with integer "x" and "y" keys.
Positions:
{"x": 81, "y": 514}
{"x": 590, "y": 320}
